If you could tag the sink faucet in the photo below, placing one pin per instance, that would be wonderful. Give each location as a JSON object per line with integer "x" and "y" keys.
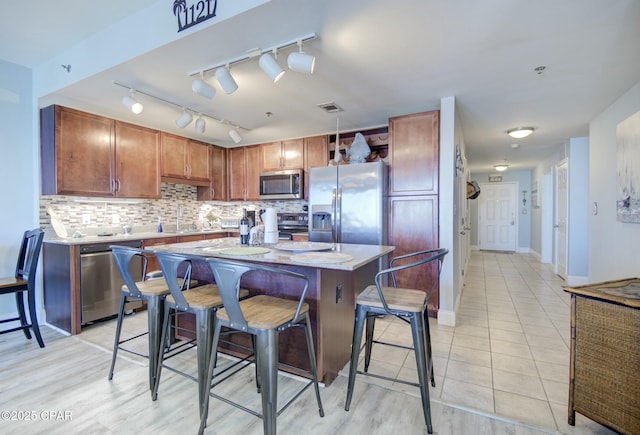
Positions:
{"x": 178, "y": 216}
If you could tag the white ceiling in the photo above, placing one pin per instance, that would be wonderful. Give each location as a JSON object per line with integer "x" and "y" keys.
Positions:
{"x": 375, "y": 59}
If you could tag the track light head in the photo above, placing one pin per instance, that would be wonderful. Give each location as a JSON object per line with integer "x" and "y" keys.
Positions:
{"x": 226, "y": 80}
{"x": 199, "y": 86}
{"x": 132, "y": 104}
{"x": 271, "y": 67}
{"x": 301, "y": 62}
{"x": 200, "y": 124}
{"x": 235, "y": 135}
{"x": 185, "y": 119}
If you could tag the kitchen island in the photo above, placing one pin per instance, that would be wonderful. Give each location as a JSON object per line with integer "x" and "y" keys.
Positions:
{"x": 333, "y": 284}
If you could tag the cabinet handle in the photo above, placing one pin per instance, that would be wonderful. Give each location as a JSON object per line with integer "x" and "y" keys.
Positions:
{"x": 118, "y": 184}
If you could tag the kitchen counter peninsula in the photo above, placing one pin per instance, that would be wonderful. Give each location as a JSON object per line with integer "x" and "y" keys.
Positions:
{"x": 333, "y": 286}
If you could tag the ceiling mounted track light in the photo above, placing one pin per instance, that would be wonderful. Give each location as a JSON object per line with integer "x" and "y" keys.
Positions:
{"x": 199, "y": 86}
{"x": 300, "y": 61}
{"x": 200, "y": 124}
{"x": 185, "y": 119}
{"x": 226, "y": 80}
{"x": 233, "y": 133}
{"x": 520, "y": 132}
{"x": 270, "y": 66}
{"x": 131, "y": 103}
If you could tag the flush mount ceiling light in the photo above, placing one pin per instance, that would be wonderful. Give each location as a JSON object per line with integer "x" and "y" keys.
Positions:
{"x": 501, "y": 168}
{"x": 185, "y": 119}
{"x": 520, "y": 132}
{"x": 300, "y": 61}
{"x": 270, "y": 66}
{"x": 131, "y": 103}
{"x": 226, "y": 80}
{"x": 200, "y": 124}
{"x": 200, "y": 87}
{"x": 233, "y": 133}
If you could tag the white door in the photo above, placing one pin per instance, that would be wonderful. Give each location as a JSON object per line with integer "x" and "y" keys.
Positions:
{"x": 560, "y": 225}
{"x": 497, "y": 217}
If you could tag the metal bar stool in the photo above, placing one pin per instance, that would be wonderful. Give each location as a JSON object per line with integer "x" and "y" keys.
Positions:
{"x": 201, "y": 301}
{"x": 264, "y": 317}
{"x": 408, "y": 305}
{"x": 153, "y": 291}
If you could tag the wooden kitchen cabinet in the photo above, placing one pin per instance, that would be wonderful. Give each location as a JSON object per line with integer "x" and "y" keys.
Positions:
{"x": 243, "y": 166}
{"x": 138, "y": 161}
{"x": 185, "y": 160}
{"x": 414, "y": 143}
{"x": 286, "y": 154}
{"x": 413, "y": 226}
{"x": 217, "y": 189}
{"x": 86, "y": 154}
{"x": 315, "y": 155}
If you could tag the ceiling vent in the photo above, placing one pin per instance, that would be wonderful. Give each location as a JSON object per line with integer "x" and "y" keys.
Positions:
{"x": 330, "y": 107}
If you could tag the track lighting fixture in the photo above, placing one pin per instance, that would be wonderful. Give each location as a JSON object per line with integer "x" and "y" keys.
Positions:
{"x": 199, "y": 86}
{"x": 131, "y": 103}
{"x": 270, "y": 66}
{"x": 200, "y": 124}
{"x": 235, "y": 135}
{"x": 300, "y": 61}
{"x": 520, "y": 132}
{"x": 226, "y": 80}
{"x": 185, "y": 119}
{"x": 187, "y": 114}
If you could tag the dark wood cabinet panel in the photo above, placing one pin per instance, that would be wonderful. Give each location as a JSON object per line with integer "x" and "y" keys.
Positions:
{"x": 252, "y": 183}
{"x": 185, "y": 160}
{"x": 85, "y": 154}
{"x": 217, "y": 189}
{"x": 413, "y": 226}
{"x": 315, "y": 155}
{"x": 237, "y": 168}
{"x": 78, "y": 152}
{"x": 286, "y": 154}
{"x": 138, "y": 157}
{"x": 414, "y": 143}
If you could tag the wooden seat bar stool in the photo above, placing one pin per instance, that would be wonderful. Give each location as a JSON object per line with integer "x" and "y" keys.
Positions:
{"x": 409, "y": 305}
{"x": 23, "y": 281}
{"x": 264, "y": 317}
{"x": 153, "y": 291}
{"x": 201, "y": 301}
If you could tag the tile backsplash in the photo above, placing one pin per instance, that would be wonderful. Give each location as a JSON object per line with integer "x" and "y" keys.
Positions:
{"x": 92, "y": 215}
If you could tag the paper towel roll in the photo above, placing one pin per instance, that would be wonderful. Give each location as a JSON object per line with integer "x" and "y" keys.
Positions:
{"x": 270, "y": 220}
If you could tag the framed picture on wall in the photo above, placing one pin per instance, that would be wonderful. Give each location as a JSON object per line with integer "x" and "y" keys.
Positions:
{"x": 628, "y": 192}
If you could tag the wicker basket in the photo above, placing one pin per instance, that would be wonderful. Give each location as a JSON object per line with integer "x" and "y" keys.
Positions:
{"x": 605, "y": 354}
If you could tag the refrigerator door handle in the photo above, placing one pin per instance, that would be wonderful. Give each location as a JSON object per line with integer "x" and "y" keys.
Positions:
{"x": 333, "y": 214}
{"x": 338, "y": 217}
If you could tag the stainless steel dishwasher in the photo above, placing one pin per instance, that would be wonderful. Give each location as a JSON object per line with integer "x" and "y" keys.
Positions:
{"x": 100, "y": 280}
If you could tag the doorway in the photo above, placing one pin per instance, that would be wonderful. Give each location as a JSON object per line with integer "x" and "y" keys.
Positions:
{"x": 497, "y": 217}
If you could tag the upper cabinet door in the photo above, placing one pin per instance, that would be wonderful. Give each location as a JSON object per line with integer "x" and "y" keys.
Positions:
{"x": 198, "y": 161}
{"x": 414, "y": 142}
{"x": 237, "y": 168}
{"x": 138, "y": 157}
{"x": 78, "y": 153}
{"x": 174, "y": 155}
{"x": 287, "y": 154}
{"x": 315, "y": 155}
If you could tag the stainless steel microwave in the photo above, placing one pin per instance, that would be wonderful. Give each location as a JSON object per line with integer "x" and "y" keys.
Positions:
{"x": 285, "y": 184}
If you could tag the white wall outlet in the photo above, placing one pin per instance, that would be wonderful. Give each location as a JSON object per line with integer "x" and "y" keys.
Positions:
{"x": 115, "y": 219}
{"x": 86, "y": 218}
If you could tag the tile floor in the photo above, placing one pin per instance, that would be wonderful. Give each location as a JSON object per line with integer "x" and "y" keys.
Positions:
{"x": 508, "y": 354}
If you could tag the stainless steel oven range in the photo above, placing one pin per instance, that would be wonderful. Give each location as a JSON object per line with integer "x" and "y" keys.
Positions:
{"x": 290, "y": 223}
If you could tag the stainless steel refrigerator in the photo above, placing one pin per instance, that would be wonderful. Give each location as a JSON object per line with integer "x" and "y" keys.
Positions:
{"x": 347, "y": 204}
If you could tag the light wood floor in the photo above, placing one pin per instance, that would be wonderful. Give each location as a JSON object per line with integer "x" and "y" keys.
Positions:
{"x": 63, "y": 388}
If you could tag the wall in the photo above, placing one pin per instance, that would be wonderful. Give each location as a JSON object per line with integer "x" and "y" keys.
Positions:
{"x": 19, "y": 188}
{"x": 614, "y": 247}
{"x": 524, "y": 219}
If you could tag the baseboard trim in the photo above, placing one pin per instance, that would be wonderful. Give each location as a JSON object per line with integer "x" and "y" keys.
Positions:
{"x": 577, "y": 280}
{"x": 446, "y": 317}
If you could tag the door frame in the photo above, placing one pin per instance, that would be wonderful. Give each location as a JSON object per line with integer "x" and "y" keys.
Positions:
{"x": 557, "y": 266}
